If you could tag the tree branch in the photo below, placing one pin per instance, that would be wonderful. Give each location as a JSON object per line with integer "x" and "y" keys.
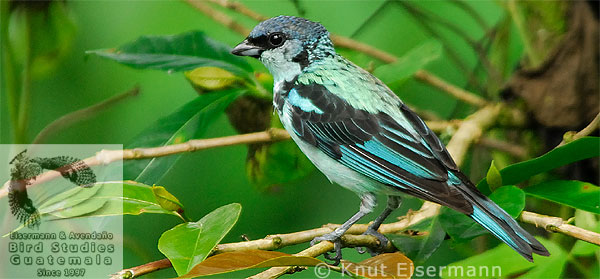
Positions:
{"x": 82, "y": 114}
{"x": 352, "y": 238}
{"x": 471, "y": 129}
{"x": 590, "y": 128}
{"x": 510, "y": 148}
{"x": 142, "y": 269}
{"x": 219, "y": 17}
{"x": 452, "y": 90}
{"x": 428, "y": 210}
{"x": 557, "y": 224}
{"x": 239, "y": 8}
{"x": 108, "y": 156}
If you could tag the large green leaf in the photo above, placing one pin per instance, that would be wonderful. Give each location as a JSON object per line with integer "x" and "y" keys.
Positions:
{"x": 104, "y": 199}
{"x": 188, "y": 244}
{"x": 460, "y": 227}
{"x": 189, "y": 122}
{"x": 180, "y": 52}
{"x": 577, "y": 194}
{"x": 578, "y": 150}
{"x": 240, "y": 260}
{"x": 504, "y": 262}
{"x": 407, "y": 65}
{"x": 419, "y": 248}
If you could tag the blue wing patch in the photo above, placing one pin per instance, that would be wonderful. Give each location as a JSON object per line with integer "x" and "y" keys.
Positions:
{"x": 376, "y": 146}
{"x": 303, "y": 103}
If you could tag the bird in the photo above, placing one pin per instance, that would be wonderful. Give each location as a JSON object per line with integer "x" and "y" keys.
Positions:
{"x": 360, "y": 135}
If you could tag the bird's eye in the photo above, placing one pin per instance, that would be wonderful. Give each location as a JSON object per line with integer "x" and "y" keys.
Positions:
{"x": 276, "y": 39}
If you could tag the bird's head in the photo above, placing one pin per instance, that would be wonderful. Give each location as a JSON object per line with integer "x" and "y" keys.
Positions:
{"x": 286, "y": 43}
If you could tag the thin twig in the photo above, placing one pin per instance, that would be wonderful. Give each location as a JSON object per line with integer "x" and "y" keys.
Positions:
{"x": 425, "y": 19}
{"x": 230, "y": 23}
{"x": 105, "y": 157}
{"x": 219, "y": 16}
{"x": 457, "y": 92}
{"x": 470, "y": 130}
{"x": 590, "y": 128}
{"x": 240, "y": 8}
{"x": 345, "y": 42}
{"x": 443, "y": 126}
{"x": 82, "y": 114}
{"x": 427, "y": 210}
{"x": 108, "y": 156}
{"x": 352, "y": 238}
{"x": 557, "y": 224}
{"x": 510, "y": 148}
{"x": 142, "y": 269}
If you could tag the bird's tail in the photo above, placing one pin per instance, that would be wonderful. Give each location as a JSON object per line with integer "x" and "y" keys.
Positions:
{"x": 501, "y": 224}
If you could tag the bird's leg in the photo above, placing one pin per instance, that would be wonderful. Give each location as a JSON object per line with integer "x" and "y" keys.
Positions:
{"x": 393, "y": 204}
{"x": 367, "y": 204}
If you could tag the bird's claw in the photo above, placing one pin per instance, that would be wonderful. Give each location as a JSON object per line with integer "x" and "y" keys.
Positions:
{"x": 337, "y": 247}
{"x": 383, "y": 243}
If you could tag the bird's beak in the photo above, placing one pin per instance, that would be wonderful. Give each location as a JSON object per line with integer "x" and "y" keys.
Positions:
{"x": 246, "y": 49}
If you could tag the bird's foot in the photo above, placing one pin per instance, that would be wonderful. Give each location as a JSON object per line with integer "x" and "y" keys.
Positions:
{"x": 337, "y": 246}
{"x": 383, "y": 243}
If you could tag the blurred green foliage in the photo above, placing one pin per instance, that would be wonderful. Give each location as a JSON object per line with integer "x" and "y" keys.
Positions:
{"x": 445, "y": 37}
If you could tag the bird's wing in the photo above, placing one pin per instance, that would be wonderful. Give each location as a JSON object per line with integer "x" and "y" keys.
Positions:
{"x": 398, "y": 151}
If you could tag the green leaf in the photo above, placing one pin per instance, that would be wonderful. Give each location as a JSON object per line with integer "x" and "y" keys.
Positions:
{"x": 504, "y": 262}
{"x": 180, "y": 52}
{"x": 460, "y": 227}
{"x": 166, "y": 199}
{"x": 578, "y": 150}
{"x": 210, "y": 78}
{"x": 189, "y": 122}
{"x": 103, "y": 199}
{"x": 115, "y": 198}
{"x": 188, "y": 244}
{"x": 407, "y": 65}
{"x": 420, "y": 248}
{"x": 577, "y": 194}
{"x": 493, "y": 177}
{"x": 588, "y": 221}
{"x": 240, "y": 260}
{"x": 67, "y": 199}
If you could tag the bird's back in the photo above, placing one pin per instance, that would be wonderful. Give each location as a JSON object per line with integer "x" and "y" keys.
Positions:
{"x": 356, "y": 86}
